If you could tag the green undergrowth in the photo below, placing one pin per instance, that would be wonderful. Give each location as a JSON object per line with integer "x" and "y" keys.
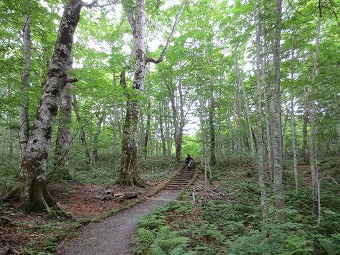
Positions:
{"x": 151, "y": 169}
{"x": 232, "y": 224}
{"x": 8, "y": 171}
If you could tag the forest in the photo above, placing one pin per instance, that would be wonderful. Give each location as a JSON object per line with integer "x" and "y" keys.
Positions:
{"x": 101, "y": 95}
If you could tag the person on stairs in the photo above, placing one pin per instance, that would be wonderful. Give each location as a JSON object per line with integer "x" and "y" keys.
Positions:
{"x": 189, "y": 160}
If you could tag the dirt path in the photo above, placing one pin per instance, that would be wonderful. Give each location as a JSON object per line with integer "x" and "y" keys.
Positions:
{"x": 113, "y": 236}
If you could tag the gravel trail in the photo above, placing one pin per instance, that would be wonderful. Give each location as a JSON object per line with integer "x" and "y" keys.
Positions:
{"x": 113, "y": 235}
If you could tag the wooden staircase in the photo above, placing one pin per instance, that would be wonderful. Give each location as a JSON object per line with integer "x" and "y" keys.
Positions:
{"x": 181, "y": 180}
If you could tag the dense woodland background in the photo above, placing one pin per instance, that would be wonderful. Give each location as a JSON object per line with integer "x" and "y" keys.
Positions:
{"x": 252, "y": 83}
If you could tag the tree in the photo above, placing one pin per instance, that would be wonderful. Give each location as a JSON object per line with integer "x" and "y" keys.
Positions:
{"x": 313, "y": 156}
{"x": 25, "y": 80}
{"x": 129, "y": 170}
{"x": 33, "y": 193}
{"x": 277, "y": 130}
{"x": 259, "y": 78}
{"x": 292, "y": 111}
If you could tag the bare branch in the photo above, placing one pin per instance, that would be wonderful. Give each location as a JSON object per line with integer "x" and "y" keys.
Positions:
{"x": 166, "y": 47}
{"x": 72, "y": 80}
{"x": 110, "y": 3}
{"x": 89, "y": 5}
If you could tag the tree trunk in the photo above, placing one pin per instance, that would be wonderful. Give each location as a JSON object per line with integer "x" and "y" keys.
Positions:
{"x": 251, "y": 140}
{"x": 25, "y": 81}
{"x": 211, "y": 103}
{"x": 277, "y": 133}
{"x": 175, "y": 118}
{"x": 313, "y": 156}
{"x": 115, "y": 127}
{"x": 230, "y": 137}
{"x": 168, "y": 128}
{"x": 129, "y": 172}
{"x": 34, "y": 194}
{"x": 292, "y": 112}
{"x": 100, "y": 118}
{"x": 82, "y": 133}
{"x": 148, "y": 125}
{"x": 269, "y": 126}
{"x": 238, "y": 102}
{"x": 260, "y": 154}
{"x": 212, "y": 131}
{"x": 161, "y": 129}
{"x": 179, "y": 137}
{"x": 304, "y": 149}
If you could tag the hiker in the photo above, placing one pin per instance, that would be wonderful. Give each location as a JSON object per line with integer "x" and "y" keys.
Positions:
{"x": 188, "y": 160}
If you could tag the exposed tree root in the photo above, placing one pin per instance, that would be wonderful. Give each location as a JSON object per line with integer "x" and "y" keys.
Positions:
{"x": 131, "y": 181}
{"x": 38, "y": 200}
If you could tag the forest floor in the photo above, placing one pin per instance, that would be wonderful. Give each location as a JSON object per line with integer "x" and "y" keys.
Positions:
{"x": 29, "y": 233}
{"x": 36, "y": 233}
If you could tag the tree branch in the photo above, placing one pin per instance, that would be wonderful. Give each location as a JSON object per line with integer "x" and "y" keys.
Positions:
{"x": 89, "y": 5}
{"x": 166, "y": 47}
{"x": 72, "y": 80}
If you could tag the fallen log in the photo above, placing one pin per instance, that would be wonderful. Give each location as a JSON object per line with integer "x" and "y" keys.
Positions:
{"x": 108, "y": 195}
{"x": 130, "y": 195}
